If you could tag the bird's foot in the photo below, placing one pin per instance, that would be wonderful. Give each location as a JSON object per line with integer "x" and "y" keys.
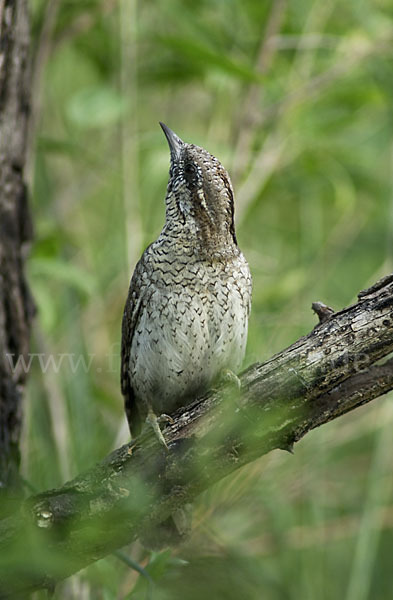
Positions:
{"x": 229, "y": 377}
{"x": 165, "y": 419}
{"x": 154, "y": 422}
{"x": 232, "y": 388}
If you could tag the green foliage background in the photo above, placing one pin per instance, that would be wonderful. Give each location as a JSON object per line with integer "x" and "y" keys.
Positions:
{"x": 295, "y": 98}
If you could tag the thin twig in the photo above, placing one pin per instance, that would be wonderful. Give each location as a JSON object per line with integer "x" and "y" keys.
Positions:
{"x": 249, "y": 117}
{"x": 271, "y": 156}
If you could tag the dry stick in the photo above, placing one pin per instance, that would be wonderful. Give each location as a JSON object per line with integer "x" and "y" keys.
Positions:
{"x": 250, "y": 117}
{"x": 39, "y": 63}
{"x": 267, "y": 160}
{"x": 323, "y": 375}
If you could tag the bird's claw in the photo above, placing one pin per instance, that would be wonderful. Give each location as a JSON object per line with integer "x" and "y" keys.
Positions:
{"x": 165, "y": 419}
{"x": 229, "y": 377}
{"x": 154, "y": 421}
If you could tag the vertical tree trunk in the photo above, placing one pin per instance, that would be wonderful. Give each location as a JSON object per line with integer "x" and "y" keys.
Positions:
{"x": 16, "y": 305}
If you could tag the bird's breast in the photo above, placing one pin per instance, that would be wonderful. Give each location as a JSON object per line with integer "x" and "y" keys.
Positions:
{"x": 193, "y": 323}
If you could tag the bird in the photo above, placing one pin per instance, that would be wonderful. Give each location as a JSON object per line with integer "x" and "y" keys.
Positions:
{"x": 186, "y": 315}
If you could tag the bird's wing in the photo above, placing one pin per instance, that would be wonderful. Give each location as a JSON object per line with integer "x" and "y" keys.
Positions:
{"x": 130, "y": 321}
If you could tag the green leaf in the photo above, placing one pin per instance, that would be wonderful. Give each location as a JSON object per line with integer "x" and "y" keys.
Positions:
{"x": 202, "y": 54}
{"x": 67, "y": 273}
{"x": 96, "y": 106}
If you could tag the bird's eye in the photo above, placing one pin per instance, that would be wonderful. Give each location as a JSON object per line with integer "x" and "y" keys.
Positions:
{"x": 190, "y": 169}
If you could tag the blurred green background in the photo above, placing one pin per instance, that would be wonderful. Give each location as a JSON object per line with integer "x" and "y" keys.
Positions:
{"x": 295, "y": 99}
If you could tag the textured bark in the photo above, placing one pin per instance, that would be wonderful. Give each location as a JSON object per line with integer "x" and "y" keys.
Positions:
{"x": 323, "y": 375}
{"x": 16, "y": 306}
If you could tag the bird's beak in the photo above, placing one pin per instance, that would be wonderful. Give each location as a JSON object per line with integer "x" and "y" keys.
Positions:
{"x": 175, "y": 143}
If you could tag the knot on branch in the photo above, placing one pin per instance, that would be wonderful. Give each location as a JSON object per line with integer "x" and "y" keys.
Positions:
{"x": 323, "y": 311}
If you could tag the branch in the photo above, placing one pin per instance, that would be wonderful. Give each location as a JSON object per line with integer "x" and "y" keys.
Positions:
{"x": 323, "y": 375}
{"x": 16, "y": 304}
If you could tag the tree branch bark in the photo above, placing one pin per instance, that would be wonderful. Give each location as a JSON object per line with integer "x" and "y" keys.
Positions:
{"x": 323, "y": 375}
{"x": 16, "y": 305}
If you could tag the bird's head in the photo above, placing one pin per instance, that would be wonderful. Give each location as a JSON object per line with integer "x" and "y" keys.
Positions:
{"x": 199, "y": 195}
